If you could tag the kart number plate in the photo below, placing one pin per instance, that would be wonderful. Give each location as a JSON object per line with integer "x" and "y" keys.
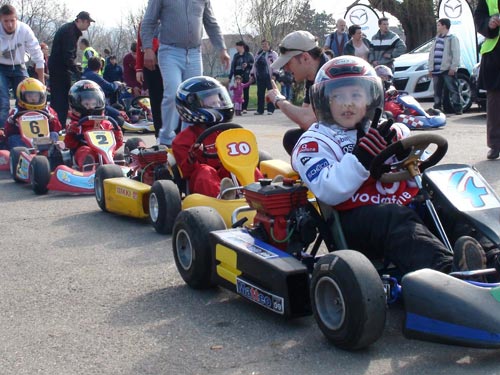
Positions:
{"x": 259, "y": 296}
{"x": 103, "y": 140}
{"x": 35, "y": 126}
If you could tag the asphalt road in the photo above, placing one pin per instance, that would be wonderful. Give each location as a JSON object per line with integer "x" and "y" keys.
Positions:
{"x": 86, "y": 292}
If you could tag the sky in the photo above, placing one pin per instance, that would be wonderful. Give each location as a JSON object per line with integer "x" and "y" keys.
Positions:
{"x": 109, "y": 12}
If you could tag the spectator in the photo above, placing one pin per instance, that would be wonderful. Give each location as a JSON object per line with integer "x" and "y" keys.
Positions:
{"x": 62, "y": 62}
{"x": 87, "y": 52}
{"x": 45, "y": 50}
{"x": 488, "y": 24}
{"x": 337, "y": 40}
{"x": 179, "y": 55}
{"x": 107, "y": 54}
{"x": 113, "y": 72}
{"x": 129, "y": 62}
{"x": 263, "y": 73}
{"x": 150, "y": 79}
{"x": 386, "y": 45}
{"x": 237, "y": 90}
{"x": 16, "y": 38}
{"x": 241, "y": 65}
{"x": 444, "y": 60}
{"x": 301, "y": 56}
{"x": 358, "y": 45}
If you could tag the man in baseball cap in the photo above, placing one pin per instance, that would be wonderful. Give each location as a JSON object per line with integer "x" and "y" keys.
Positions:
{"x": 300, "y": 55}
{"x": 84, "y": 16}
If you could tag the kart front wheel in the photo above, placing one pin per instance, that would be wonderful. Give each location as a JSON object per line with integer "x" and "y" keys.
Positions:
{"x": 348, "y": 299}
{"x": 103, "y": 173}
{"x": 39, "y": 174}
{"x": 164, "y": 205}
{"x": 14, "y": 156}
{"x": 191, "y": 245}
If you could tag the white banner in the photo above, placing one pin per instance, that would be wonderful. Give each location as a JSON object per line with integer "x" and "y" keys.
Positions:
{"x": 364, "y": 16}
{"x": 460, "y": 15}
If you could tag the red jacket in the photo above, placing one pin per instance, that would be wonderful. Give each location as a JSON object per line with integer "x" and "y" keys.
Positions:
{"x": 11, "y": 127}
{"x": 72, "y": 140}
{"x": 139, "y": 59}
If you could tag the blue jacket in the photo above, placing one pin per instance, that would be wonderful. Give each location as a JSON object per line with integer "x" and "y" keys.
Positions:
{"x": 113, "y": 73}
{"x": 109, "y": 88}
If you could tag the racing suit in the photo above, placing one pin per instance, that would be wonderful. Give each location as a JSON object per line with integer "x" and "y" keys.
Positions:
{"x": 75, "y": 142}
{"x": 204, "y": 174}
{"x": 374, "y": 216}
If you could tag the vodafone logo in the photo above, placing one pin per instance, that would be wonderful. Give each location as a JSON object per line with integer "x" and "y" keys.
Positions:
{"x": 308, "y": 147}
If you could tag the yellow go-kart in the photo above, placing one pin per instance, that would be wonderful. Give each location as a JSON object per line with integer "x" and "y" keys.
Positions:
{"x": 161, "y": 200}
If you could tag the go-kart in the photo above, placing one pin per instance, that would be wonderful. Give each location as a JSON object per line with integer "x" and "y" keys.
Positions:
{"x": 136, "y": 111}
{"x": 273, "y": 260}
{"x": 404, "y": 108}
{"x": 154, "y": 186}
{"x": 27, "y": 165}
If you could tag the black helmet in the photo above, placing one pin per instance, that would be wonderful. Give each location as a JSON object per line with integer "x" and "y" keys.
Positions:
{"x": 87, "y": 98}
{"x": 340, "y": 72}
{"x": 203, "y": 100}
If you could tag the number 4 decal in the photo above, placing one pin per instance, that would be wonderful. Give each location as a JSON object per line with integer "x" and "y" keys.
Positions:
{"x": 239, "y": 148}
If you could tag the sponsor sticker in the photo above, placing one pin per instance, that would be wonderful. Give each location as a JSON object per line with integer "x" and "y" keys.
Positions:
{"x": 305, "y": 159}
{"x": 308, "y": 147}
{"x": 259, "y": 296}
{"x": 126, "y": 192}
{"x": 313, "y": 172}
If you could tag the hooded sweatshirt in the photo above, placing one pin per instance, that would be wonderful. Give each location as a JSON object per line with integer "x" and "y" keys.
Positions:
{"x": 13, "y": 47}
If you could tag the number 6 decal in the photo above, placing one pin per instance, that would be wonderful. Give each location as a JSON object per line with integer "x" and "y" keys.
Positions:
{"x": 240, "y": 148}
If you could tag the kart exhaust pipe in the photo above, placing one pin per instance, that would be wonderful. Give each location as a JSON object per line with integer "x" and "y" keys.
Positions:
{"x": 444, "y": 309}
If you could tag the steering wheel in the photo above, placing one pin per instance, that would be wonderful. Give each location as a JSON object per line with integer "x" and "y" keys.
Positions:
{"x": 135, "y": 102}
{"x": 99, "y": 118}
{"x": 20, "y": 113}
{"x": 211, "y": 130}
{"x": 413, "y": 163}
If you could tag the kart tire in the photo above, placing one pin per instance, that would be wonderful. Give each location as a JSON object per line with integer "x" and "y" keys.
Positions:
{"x": 348, "y": 299}
{"x": 191, "y": 245}
{"x": 14, "y": 156}
{"x": 40, "y": 174}
{"x": 464, "y": 90}
{"x": 164, "y": 205}
{"x": 131, "y": 145}
{"x": 102, "y": 173}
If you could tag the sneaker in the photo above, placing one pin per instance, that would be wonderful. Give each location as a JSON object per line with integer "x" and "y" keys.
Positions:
{"x": 493, "y": 154}
{"x": 269, "y": 113}
{"x": 459, "y": 112}
{"x": 88, "y": 163}
{"x": 244, "y": 111}
{"x": 468, "y": 255}
{"x": 226, "y": 184}
{"x": 258, "y": 113}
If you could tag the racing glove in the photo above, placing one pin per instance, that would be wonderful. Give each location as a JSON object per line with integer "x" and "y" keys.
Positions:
{"x": 194, "y": 152}
{"x": 371, "y": 143}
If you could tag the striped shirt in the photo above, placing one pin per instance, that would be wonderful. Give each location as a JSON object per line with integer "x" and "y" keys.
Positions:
{"x": 438, "y": 54}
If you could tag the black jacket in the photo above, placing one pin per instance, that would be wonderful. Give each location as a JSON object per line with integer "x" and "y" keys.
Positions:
{"x": 236, "y": 66}
{"x": 63, "y": 54}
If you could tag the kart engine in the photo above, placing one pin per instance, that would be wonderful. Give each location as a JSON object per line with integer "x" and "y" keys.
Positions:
{"x": 284, "y": 216}
{"x": 149, "y": 164}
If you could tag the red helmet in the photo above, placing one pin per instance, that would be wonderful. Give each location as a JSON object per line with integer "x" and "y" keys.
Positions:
{"x": 345, "y": 71}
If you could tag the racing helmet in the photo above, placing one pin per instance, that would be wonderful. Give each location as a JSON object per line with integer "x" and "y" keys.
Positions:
{"x": 31, "y": 94}
{"x": 86, "y": 98}
{"x": 385, "y": 74}
{"x": 203, "y": 100}
{"x": 345, "y": 71}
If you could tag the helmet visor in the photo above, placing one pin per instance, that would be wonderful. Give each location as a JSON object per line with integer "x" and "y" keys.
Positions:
{"x": 33, "y": 97}
{"x": 91, "y": 100}
{"x": 214, "y": 98}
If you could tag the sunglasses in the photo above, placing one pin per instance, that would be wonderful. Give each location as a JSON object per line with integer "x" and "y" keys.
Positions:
{"x": 284, "y": 50}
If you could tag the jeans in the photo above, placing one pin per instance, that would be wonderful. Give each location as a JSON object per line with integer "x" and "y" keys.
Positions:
{"x": 451, "y": 82}
{"x": 263, "y": 84}
{"x": 10, "y": 77}
{"x": 176, "y": 65}
{"x": 286, "y": 91}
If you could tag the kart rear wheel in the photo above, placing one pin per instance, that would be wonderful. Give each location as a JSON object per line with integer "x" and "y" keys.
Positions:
{"x": 131, "y": 145}
{"x": 164, "y": 205}
{"x": 39, "y": 174}
{"x": 191, "y": 245}
{"x": 14, "y": 156}
{"x": 103, "y": 173}
{"x": 348, "y": 299}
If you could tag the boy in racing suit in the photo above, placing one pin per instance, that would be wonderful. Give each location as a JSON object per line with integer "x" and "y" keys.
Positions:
{"x": 203, "y": 102}
{"x": 86, "y": 98}
{"x": 334, "y": 157}
{"x": 31, "y": 95}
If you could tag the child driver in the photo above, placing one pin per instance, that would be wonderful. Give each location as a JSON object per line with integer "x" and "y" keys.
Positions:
{"x": 334, "y": 156}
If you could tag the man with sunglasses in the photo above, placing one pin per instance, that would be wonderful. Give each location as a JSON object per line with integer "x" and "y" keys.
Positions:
{"x": 301, "y": 56}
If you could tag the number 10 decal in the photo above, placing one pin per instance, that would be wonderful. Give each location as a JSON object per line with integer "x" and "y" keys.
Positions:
{"x": 239, "y": 148}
